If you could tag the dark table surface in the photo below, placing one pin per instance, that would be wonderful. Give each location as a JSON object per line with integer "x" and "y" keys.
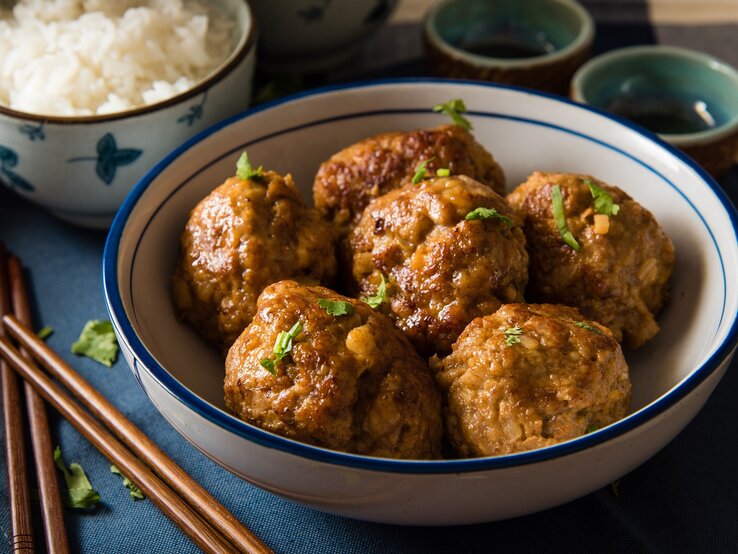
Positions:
{"x": 684, "y": 499}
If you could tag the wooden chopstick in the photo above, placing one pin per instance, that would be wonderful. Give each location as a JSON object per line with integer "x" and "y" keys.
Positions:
{"x": 21, "y": 523}
{"x": 208, "y": 507}
{"x": 202, "y": 534}
{"x": 55, "y": 531}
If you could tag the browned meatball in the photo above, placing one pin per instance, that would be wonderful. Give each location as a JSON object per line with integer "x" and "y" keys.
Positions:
{"x": 529, "y": 376}
{"x": 442, "y": 270}
{"x": 350, "y": 179}
{"x": 620, "y": 275}
{"x": 350, "y": 382}
{"x": 243, "y": 236}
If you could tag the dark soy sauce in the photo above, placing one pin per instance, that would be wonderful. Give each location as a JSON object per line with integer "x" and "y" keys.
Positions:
{"x": 668, "y": 116}
{"x": 504, "y": 47}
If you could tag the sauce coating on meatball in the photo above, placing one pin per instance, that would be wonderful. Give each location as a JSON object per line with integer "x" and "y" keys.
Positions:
{"x": 351, "y": 381}
{"x": 530, "y": 376}
{"x": 619, "y": 276}
{"x": 449, "y": 249}
{"x": 243, "y": 236}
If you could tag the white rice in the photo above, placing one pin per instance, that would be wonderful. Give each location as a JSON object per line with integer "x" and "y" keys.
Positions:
{"x": 83, "y": 57}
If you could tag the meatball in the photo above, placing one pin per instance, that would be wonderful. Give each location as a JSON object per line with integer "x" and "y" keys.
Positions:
{"x": 243, "y": 236}
{"x": 620, "y": 275}
{"x": 350, "y": 382}
{"x": 441, "y": 266}
{"x": 353, "y": 177}
{"x": 529, "y": 376}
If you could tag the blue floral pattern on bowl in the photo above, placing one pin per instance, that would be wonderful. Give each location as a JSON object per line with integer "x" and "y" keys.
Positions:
{"x": 8, "y": 160}
{"x": 33, "y": 131}
{"x": 109, "y": 158}
{"x": 195, "y": 112}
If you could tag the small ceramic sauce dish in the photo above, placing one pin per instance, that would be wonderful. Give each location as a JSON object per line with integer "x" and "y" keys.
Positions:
{"x": 688, "y": 98}
{"x": 536, "y": 43}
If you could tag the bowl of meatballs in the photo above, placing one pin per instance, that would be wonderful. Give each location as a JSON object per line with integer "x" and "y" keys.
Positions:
{"x": 426, "y": 302}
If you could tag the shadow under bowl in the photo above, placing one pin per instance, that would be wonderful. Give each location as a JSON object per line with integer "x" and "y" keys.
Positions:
{"x": 537, "y": 44}
{"x": 688, "y": 98}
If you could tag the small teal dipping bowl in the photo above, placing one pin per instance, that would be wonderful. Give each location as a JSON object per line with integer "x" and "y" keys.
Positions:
{"x": 533, "y": 43}
{"x": 688, "y": 98}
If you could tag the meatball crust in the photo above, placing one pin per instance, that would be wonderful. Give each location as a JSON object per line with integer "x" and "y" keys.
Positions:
{"x": 351, "y": 382}
{"x": 551, "y": 377}
{"x": 243, "y": 236}
{"x": 619, "y": 278}
{"x": 350, "y": 179}
{"x": 442, "y": 270}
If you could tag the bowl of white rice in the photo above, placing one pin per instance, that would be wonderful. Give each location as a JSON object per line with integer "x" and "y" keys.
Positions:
{"x": 93, "y": 93}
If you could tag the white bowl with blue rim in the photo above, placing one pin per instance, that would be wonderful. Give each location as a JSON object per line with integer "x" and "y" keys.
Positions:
{"x": 673, "y": 375}
{"x": 81, "y": 167}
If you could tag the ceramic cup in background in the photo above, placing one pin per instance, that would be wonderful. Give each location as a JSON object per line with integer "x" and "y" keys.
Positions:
{"x": 534, "y": 43}
{"x": 298, "y": 37}
{"x": 690, "y": 99}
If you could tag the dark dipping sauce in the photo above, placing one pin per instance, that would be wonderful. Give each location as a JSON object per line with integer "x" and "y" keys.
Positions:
{"x": 668, "y": 116}
{"x": 507, "y": 46}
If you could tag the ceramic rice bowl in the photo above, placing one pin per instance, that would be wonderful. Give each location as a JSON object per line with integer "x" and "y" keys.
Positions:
{"x": 673, "y": 375}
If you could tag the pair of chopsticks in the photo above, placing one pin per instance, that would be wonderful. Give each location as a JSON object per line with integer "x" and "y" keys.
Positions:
{"x": 205, "y": 521}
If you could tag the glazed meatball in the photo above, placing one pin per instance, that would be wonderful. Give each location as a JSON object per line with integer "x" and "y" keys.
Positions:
{"x": 243, "y": 236}
{"x": 620, "y": 275}
{"x": 349, "y": 180}
{"x": 529, "y": 376}
{"x": 350, "y": 382}
{"x": 441, "y": 266}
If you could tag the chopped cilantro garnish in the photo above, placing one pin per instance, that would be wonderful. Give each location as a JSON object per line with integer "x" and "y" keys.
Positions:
{"x": 590, "y": 429}
{"x": 487, "y": 213}
{"x": 420, "y": 171}
{"x": 443, "y": 172}
{"x": 282, "y": 347}
{"x": 588, "y": 327}
{"x": 79, "y": 493}
{"x": 133, "y": 490}
{"x": 454, "y": 109}
{"x": 283, "y": 344}
{"x": 268, "y": 364}
{"x": 244, "y": 169}
{"x": 44, "y": 332}
{"x": 557, "y": 204}
{"x": 602, "y": 200}
{"x": 512, "y": 335}
{"x": 97, "y": 341}
{"x": 380, "y": 297}
{"x": 336, "y": 307}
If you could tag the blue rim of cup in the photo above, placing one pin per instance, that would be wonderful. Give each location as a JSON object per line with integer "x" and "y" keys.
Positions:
{"x": 264, "y": 438}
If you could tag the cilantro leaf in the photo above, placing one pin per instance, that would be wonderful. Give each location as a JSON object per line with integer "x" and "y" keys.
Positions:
{"x": 245, "y": 171}
{"x": 97, "y": 341}
{"x": 420, "y": 171}
{"x": 380, "y": 297}
{"x": 282, "y": 347}
{"x": 79, "y": 493}
{"x": 268, "y": 364}
{"x": 45, "y": 332}
{"x": 454, "y": 109}
{"x": 557, "y": 206}
{"x": 588, "y": 327}
{"x": 590, "y": 429}
{"x": 602, "y": 200}
{"x": 336, "y": 307}
{"x": 487, "y": 213}
{"x": 133, "y": 490}
{"x": 512, "y": 335}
